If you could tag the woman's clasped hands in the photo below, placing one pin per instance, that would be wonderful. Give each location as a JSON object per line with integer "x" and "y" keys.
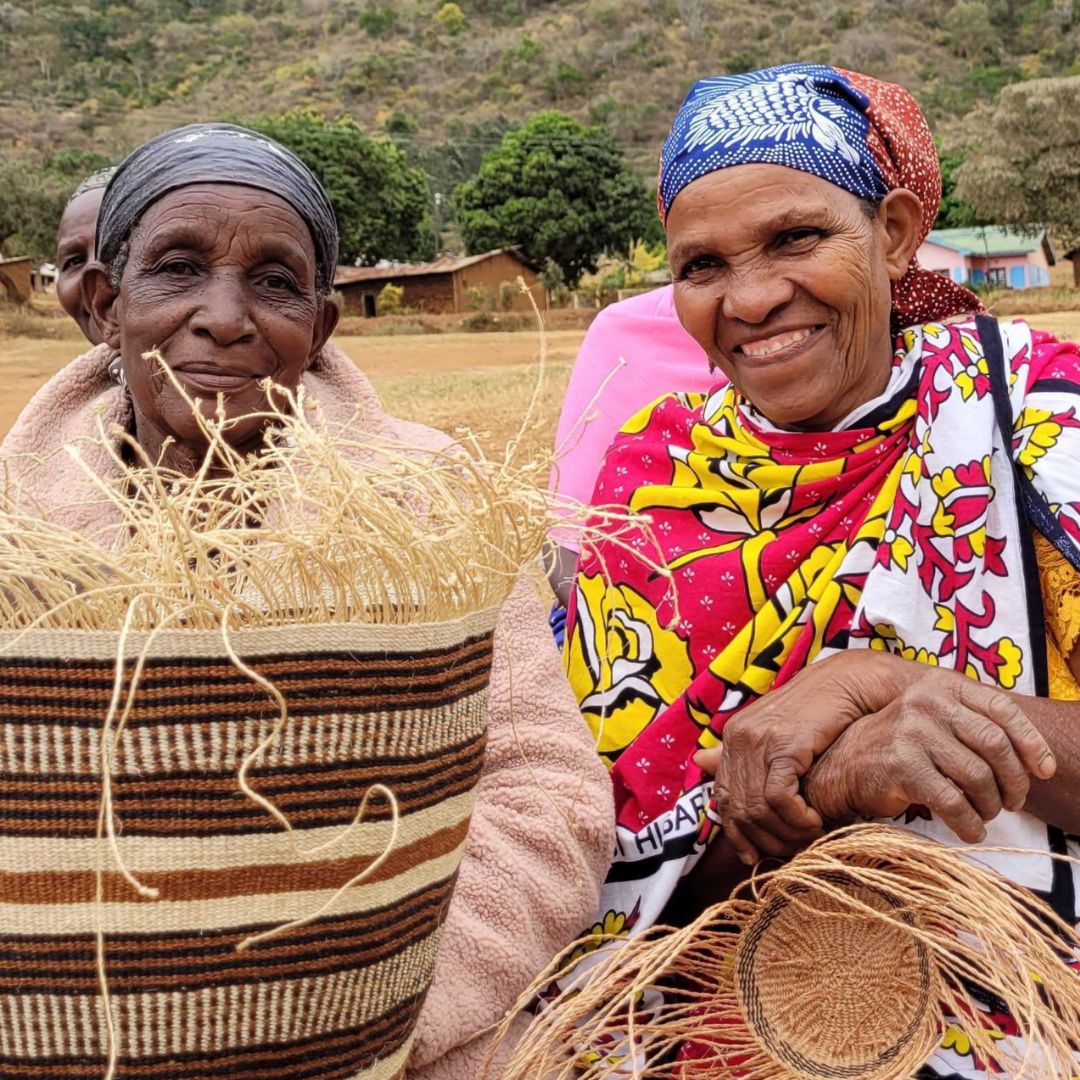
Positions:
{"x": 865, "y": 735}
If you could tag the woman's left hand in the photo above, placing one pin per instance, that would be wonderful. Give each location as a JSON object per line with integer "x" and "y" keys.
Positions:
{"x": 770, "y": 745}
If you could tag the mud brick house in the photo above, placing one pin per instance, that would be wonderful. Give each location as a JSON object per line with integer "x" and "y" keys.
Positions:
{"x": 15, "y": 277}
{"x": 452, "y": 283}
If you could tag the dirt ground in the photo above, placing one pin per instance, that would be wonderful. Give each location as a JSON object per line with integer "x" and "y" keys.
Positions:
{"x": 482, "y": 382}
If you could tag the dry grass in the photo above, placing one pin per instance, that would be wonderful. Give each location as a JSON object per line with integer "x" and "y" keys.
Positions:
{"x": 488, "y": 402}
{"x": 40, "y": 319}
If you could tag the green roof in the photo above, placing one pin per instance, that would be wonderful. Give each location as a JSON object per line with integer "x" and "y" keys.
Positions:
{"x": 988, "y": 240}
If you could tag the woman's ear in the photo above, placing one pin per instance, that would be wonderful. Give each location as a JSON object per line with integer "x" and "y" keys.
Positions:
{"x": 325, "y": 322}
{"x": 900, "y": 215}
{"x": 100, "y": 297}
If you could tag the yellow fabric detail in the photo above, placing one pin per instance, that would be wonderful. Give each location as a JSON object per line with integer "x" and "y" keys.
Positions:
{"x": 1061, "y": 601}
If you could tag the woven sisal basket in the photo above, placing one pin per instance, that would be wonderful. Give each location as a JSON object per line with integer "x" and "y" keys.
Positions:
{"x": 398, "y": 706}
{"x": 843, "y": 964}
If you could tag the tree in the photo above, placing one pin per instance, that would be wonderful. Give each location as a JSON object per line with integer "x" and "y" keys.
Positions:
{"x": 954, "y": 212}
{"x": 380, "y": 201}
{"x": 558, "y": 190}
{"x": 1024, "y": 167}
{"x": 33, "y": 195}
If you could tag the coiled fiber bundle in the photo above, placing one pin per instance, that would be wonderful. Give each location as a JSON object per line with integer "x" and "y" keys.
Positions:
{"x": 843, "y": 963}
{"x": 239, "y": 741}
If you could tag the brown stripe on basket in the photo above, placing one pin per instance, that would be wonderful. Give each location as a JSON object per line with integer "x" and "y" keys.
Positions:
{"x": 83, "y": 685}
{"x": 357, "y": 695}
{"x": 163, "y": 962}
{"x": 197, "y": 805}
{"x": 257, "y": 881}
{"x": 220, "y": 1018}
{"x": 349, "y": 1054}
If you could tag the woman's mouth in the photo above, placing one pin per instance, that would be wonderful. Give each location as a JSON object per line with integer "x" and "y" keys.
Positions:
{"x": 782, "y": 346}
{"x": 212, "y": 381}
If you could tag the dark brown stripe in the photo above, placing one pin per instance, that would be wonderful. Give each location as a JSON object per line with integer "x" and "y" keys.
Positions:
{"x": 358, "y": 695}
{"x": 258, "y": 880}
{"x": 339, "y": 1056}
{"x": 197, "y": 805}
{"x": 162, "y": 963}
{"x": 73, "y": 692}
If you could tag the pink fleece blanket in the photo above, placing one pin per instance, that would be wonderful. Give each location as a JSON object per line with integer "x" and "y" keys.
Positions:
{"x": 528, "y": 882}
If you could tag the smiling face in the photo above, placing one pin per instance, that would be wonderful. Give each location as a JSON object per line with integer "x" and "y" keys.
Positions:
{"x": 221, "y": 279}
{"x": 74, "y": 251}
{"x": 784, "y": 280}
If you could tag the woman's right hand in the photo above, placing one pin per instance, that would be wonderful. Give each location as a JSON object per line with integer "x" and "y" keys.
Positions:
{"x": 962, "y": 749}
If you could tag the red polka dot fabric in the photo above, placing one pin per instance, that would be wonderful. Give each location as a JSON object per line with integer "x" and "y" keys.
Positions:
{"x": 903, "y": 147}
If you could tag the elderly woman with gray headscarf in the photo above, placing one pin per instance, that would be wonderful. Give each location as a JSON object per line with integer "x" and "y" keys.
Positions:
{"x": 217, "y": 247}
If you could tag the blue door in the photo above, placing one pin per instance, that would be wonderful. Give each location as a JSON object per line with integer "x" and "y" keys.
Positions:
{"x": 1016, "y": 277}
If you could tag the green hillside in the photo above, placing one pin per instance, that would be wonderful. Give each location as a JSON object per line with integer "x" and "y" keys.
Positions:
{"x": 101, "y": 75}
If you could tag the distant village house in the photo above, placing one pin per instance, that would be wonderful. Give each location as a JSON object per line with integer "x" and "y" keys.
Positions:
{"x": 990, "y": 255}
{"x": 16, "y": 278}
{"x": 450, "y": 284}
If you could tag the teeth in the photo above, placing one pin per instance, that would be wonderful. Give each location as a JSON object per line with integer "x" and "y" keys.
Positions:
{"x": 774, "y": 344}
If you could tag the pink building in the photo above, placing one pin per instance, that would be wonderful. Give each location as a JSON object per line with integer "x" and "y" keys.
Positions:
{"x": 990, "y": 255}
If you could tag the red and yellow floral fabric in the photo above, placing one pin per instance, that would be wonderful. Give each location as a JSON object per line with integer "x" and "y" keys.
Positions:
{"x": 759, "y": 551}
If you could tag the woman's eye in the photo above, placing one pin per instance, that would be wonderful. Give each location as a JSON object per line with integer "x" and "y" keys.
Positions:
{"x": 699, "y": 266}
{"x": 798, "y": 239}
{"x": 177, "y": 268}
{"x": 73, "y": 263}
{"x": 279, "y": 282}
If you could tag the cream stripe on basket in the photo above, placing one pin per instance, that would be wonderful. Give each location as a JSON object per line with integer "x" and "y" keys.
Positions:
{"x": 153, "y": 854}
{"x": 300, "y": 639}
{"x": 32, "y": 749}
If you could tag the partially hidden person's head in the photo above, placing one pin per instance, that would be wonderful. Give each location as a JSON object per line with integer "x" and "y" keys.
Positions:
{"x": 794, "y": 200}
{"x": 75, "y": 249}
{"x": 215, "y": 246}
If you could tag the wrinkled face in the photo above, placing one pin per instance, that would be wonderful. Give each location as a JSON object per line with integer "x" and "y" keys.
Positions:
{"x": 74, "y": 250}
{"x": 221, "y": 279}
{"x": 784, "y": 280}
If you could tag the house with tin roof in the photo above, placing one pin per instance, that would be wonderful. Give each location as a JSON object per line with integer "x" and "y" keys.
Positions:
{"x": 990, "y": 255}
{"x": 452, "y": 283}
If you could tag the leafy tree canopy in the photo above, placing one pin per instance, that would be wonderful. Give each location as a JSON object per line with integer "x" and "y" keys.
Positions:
{"x": 33, "y": 196}
{"x": 380, "y": 201}
{"x": 560, "y": 191}
{"x": 954, "y": 212}
{"x": 1024, "y": 168}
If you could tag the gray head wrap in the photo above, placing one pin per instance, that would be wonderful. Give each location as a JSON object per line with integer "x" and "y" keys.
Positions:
{"x": 215, "y": 154}
{"x": 94, "y": 181}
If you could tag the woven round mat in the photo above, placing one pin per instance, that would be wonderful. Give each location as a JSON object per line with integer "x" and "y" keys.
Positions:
{"x": 832, "y": 992}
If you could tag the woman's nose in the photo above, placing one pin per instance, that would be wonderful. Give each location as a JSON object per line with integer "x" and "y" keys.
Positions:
{"x": 224, "y": 313}
{"x": 753, "y": 293}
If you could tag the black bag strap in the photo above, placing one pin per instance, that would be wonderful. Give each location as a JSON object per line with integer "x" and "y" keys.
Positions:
{"x": 1035, "y": 506}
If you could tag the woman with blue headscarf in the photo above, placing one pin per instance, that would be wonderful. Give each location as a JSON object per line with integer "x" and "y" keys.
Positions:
{"x": 853, "y": 589}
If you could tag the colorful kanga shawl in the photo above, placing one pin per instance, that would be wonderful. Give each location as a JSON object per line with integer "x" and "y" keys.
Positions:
{"x": 899, "y": 531}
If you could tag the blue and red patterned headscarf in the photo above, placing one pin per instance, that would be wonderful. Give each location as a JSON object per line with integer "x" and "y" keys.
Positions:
{"x": 866, "y": 136}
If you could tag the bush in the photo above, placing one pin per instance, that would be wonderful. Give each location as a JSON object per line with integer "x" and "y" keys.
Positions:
{"x": 390, "y": 300}
{"x": 479, "y": 298}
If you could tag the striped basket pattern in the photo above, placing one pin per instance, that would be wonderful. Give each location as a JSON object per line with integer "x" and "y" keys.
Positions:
{"x": 338, "y": 998}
